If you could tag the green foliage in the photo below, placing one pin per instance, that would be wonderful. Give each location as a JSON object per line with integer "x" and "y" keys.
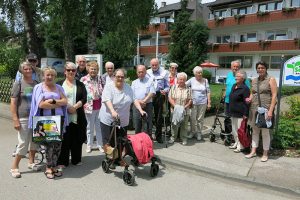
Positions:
{"x": 288, "y": 90}
{"x": 288, "y": 135}
{"x": 131, "y": 74}
{"x": 206, "y": 74}
{"x": 188, "y": 47}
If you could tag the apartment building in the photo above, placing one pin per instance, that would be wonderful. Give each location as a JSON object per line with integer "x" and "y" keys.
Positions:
{"x": 153, "y": 42}
{"x": 250, "y": 31}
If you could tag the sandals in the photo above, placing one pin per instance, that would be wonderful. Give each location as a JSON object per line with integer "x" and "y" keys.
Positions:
{"x": 34, "y": 167}
{"x": 15, "y": 173}
{"x": 49, "y": 175}
{"x": 250, "y": 155}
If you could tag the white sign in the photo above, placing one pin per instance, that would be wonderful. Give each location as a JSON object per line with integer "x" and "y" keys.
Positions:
{"x": 57, "y": 63}
{"x": 291, "y": 74}
{"x": 94, "y": 57}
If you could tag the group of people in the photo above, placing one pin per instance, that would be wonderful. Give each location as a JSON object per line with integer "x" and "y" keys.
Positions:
{"x": 89, "y": 102}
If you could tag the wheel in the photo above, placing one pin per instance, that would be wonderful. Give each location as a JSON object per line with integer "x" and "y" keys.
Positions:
{"x": 212, "y": 137}
{"x": 39, "y": 157}
{"x": 105, "y": 166}
{"x": 154, "y": 170}
{"x": 128, "y": 177}
{"x": 227, "y": 141}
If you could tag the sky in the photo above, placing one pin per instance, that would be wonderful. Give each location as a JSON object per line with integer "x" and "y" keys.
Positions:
{"x": 175, "y": 1}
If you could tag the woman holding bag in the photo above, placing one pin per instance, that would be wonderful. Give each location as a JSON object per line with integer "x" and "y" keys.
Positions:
{"x": 265, "y": 87}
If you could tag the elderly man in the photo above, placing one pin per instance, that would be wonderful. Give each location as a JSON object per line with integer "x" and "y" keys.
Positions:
{"x": 36, "y": 71}
{"x": 143, "y": 91}
{"x": 161, "y": 84}
{"x": 81, "y": 69}
{"x": 108, "y": 76}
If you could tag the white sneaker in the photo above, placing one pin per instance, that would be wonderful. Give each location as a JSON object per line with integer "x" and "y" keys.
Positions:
{"x": 233, "y": 146}
{"x": 88, "y": 149}
{"x": 199, "y": 136}
{"x": 101, "y": 149}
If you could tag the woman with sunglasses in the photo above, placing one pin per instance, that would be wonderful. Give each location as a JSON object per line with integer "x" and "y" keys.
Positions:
{"x": 75, "y": 134}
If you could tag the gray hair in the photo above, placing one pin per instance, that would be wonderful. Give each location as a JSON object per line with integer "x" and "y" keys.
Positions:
{"x": 182, "y": 74}
{"x": 236, "y": 61}
{"x": 109, "y": 64}
{"x": 243, "y": 73}
{"x": 122, "y": 70}
{"x": 22, "y": 65}
{"x": 49, "y": 68}
{"x": 174, "y": 64}
{"x": 70, "y": 64}
{"x": 197, "y": 69}
{"x": 80, "y": 57}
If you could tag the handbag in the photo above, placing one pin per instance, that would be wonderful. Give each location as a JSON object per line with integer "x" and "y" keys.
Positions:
{"x": 260, "y": 116}
{"x": 47, "y": 129}
{"x": 244, "y": 134}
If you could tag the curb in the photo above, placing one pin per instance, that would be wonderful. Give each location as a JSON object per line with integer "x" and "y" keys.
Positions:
{"x": 245, "y": 179}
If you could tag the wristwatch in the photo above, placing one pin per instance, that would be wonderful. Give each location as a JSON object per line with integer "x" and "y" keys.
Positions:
{"x": 53, "y": 101}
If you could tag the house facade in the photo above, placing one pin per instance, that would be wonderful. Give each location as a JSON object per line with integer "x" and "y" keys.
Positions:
{"x": 251, "y": 31}
{"x": 153, "y": 42}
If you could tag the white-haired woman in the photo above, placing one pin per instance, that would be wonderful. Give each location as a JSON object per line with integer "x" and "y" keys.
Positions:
{"x": 180, "y": 100}
{"x": 201, "y": 101}
{"x": 21, "y": 95}
{"x": 238, "y": 107}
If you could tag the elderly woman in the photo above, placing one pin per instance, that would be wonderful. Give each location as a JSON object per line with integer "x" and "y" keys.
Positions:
{"x": 201, "y": 101}
{"x": 21, "y": 95}
{"x": 180, "y": 100}
{"x": 75, "y": 134}
{"x": 266, "y": 86}
{"x": 49, "y": 99}
{"x": 172, "y": 74}
{"x": 117, "y": 98}
{"x": 238, "y": 107}
{"x": 94, "y": 87}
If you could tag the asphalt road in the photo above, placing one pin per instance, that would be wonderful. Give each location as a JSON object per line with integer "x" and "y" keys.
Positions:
{"x": 90, "y": 182}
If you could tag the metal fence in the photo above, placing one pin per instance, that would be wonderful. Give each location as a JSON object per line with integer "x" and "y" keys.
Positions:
{"x": 5, "y": 88}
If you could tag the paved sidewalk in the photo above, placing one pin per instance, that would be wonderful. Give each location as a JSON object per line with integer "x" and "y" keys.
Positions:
{"x": 280, "y": 173}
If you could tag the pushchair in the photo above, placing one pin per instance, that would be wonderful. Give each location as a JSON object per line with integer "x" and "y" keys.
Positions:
{"x": 123, "y": 146}
{"x": 224, "y": 131}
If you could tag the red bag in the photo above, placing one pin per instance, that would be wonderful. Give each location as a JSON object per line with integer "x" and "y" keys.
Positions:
{"x": 243, "y": 135}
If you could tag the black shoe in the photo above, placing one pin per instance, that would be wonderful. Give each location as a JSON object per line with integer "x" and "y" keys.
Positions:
{"x": 159, "y": 140}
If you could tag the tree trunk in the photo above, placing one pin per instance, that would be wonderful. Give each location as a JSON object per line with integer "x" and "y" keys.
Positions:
{"x": 92, "y": 35}
{"x": 29, "y": 24}
{"x": 68, "y": 43}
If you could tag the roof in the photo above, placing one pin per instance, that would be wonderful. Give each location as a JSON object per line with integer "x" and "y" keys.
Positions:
{"x": 174, "y": 7}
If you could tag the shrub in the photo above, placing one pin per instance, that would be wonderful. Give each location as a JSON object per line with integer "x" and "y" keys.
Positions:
{"x": 288, "y": 134}
{"x": 206, "y": 74}
{"x": 131, "y": 74}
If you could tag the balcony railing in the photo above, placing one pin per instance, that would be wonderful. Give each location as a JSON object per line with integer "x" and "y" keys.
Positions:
{"x": 162, "y": 28}
{"x": 152, "y": 49}
{"x": 262, "y": 45}
{"x": 259, "y": 17}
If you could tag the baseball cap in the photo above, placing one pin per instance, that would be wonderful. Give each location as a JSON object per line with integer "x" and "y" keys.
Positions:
{"x": 31, "y": 56}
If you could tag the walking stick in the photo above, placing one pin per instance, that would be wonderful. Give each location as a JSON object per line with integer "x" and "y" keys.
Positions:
{"x": 164, "y": 114}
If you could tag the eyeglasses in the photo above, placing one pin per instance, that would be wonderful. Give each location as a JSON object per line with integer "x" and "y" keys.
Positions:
{"x": 32, "y": 60}
{"x": 71, "y": 70}
{"x": 121, "y": 77}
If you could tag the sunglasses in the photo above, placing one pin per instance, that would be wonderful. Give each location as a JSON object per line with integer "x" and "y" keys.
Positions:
{"x": 71, "y": 70}
{"x": 32, "y": 60}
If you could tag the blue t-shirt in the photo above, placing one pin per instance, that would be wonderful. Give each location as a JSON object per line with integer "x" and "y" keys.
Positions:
{"x": 230, "y": 81}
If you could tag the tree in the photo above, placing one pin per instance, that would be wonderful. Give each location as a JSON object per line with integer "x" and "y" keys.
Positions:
{"x": 188, "y": 41}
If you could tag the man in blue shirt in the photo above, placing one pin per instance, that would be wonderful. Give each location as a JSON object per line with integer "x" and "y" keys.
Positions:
{"x": 143, "y": 91}
{"x": 36, "y": 71}
{"x": 161, "y": 84}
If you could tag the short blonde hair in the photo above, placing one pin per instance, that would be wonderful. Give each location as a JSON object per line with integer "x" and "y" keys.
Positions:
{"x": 92, "y": 64}
{"x": 49, "y": 68}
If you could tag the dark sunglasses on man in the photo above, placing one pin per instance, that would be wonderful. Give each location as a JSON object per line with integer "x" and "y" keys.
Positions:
{"x": 32, "y": 60}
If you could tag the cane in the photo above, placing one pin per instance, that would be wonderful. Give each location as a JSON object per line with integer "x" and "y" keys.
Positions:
{"x": 165, "y": 114}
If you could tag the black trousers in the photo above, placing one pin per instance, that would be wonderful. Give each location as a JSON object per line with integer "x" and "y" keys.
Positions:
{"x": 71, "y": 144}
{"x": 158, "y": 104}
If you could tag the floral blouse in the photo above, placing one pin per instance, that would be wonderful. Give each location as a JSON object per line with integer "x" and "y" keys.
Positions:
{"x": 94, "y": 88}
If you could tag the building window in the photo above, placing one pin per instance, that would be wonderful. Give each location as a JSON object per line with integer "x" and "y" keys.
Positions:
{"x": 277, "y": 35}
{"x": 274, "y": 62}
{"x": 223, "y": 39}
{"x": 225, "y": 61}
{"x": 241, "y": 11}
{"x": 248, "y": 37}
{"x": 270, "y": 6}
{"x": 220, "y": 13}
{"x": 295, "y": 3}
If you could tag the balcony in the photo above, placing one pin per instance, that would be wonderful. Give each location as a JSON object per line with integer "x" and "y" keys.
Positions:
{"x": 152, "y": 49}
{"x": 255, "y": 18}
{"x": 265, "y": 45}
{"x": 162, "y": 28}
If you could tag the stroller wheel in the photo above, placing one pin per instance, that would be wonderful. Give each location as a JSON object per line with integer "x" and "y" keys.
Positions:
{"x": 227, "y": 141}
{"x": 128, "y": 177}
{"x": 39, "y": 157}
{"x": 105, "y": 166}
{"x": 222, "y": 135}
{"x": 212, "y": 137}
{"x": 154, "y": 170}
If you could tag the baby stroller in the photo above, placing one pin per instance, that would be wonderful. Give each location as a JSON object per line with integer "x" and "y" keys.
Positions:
{"x": 225, "y": 133}
{"x": 138, "y": 147}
